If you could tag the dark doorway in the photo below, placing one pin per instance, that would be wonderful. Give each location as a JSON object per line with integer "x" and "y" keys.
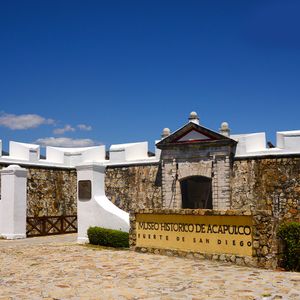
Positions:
{"x": 196, "y": 192}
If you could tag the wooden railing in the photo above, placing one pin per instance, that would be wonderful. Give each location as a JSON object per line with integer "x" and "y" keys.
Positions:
{"x": 50, "y": 225}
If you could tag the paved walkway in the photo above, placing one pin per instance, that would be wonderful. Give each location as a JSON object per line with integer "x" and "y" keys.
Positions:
{"x": 58, "y": 268}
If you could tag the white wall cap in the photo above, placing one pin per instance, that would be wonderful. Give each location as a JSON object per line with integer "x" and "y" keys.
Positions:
{"x": 25, "y": 145}
{"x": 92, "y": 166}
{"x": 24, "y": 151}
{"x": 251, "y": 142}
{"x": 13, "y": 167}
{"x": 128, "y": 152}
{"x": 290, "y": 132}
{"x": 40, "y": 163}
{"x": 152, "y": 159}
{"x": 74, "y": 150}
{"x": 236, "y": 137}
{"x": 96, "y": 153}
{"x": 118, "y": 147}
{"x": 289, "y": 140}
{"x": 268, "y": 152}
{"x": 74, "y": 156}
{"x": 14, "y": 170}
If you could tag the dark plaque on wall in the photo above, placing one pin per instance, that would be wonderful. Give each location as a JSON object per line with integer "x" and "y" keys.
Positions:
{"x": 84, "y": 189}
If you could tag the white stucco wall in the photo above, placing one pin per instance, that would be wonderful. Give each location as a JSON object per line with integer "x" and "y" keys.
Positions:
{"x": 254, "y": 144}
{"x": 74, "y": 156}
{"x": 289, "y": 140}
{"x": 23, "y": 151}
{"x": 29, "y": 154}
{"x": 99, "y": 210}
{"x": 128, "y": 152}
{"x": 251, "y": 142}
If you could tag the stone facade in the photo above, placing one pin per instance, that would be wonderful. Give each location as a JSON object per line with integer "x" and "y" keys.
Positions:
{"x": 194, "y": 160}
{"x": 264, "y": 242}
{"x": 134, "y": 187}
{"x": 271, "y": 184}
{"x": 51, "y": 192}
{"x": 268, "y": 184}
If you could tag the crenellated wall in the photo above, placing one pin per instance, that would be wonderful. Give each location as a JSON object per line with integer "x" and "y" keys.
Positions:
{"x": 260, "y": 182}
{"x": 257, "y": 183}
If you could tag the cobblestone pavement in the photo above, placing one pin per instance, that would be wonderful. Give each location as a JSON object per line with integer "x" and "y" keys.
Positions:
{"x": 58, "y": 268}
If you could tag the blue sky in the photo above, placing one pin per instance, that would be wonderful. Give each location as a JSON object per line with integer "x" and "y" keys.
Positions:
{"x": 89, "y": 72}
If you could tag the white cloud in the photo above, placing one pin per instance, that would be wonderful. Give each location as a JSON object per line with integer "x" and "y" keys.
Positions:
{"x": 22, "y": 122}
{"x": 63, "y": 130}
{"x": 84, "y": 127}
{"x": 64, "y": 142}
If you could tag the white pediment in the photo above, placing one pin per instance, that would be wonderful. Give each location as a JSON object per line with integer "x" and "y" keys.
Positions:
{"x": 193, "y": 136}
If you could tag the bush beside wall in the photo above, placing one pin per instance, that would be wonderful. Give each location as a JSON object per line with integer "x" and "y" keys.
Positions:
{"x": 108, "y": 237}
{"x": 290, "y": 235}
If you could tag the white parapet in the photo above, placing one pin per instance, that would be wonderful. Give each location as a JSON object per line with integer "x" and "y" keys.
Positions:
{"x": 128, "y": 152}
{"x": 93, "y": 207}
{"x": 74, "y": 156}
{"x": 29, "y": 154}
{"x": 13, "y": 202}
{"x": 289, "y": 140}
{"x": 252, "y": 142}
{"x": 24, "y": 151}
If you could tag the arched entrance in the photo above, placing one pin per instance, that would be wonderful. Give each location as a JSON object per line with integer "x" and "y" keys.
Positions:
{"x": 196, "y": 192}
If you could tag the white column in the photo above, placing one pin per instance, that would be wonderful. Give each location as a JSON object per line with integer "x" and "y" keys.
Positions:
{"x": 13, "y": 202}
{"x": 95, "y": 209}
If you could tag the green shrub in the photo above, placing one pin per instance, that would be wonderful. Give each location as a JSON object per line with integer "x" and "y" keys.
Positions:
{"x": 290, "y": 234}
{"x": 108, "y": 237}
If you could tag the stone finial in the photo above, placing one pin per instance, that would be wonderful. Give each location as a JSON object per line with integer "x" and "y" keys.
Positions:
{"x": 166, "y": 132}
{"x": 225, "y": 130}
{"x": 194, "y": 118}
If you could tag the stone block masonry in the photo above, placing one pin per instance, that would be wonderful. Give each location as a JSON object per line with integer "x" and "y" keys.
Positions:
{"x": 268, "y": 184}
{"x": 132, "y": 187}
{"x": 51, "y": 192}
{"x": 191, "y": 160}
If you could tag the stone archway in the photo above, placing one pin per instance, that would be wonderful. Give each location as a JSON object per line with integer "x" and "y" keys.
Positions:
{"x": 196, "y": 192}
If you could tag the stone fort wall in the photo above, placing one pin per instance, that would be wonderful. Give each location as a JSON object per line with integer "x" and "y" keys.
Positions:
{"x": 262, "y": 183}
{"x": 134, "y": 187}
{"x": 50, "y": 191}
{"x": 270, "y": 183}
